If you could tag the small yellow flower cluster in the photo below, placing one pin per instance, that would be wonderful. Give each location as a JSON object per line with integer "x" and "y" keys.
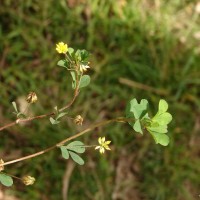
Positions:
{"x": 103, "y": 144}
{"x": 78, "y": 120}
{"x": 61, "y": 47}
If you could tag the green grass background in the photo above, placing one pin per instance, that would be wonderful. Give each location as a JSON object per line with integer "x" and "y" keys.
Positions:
{"x": 151, "y": 42}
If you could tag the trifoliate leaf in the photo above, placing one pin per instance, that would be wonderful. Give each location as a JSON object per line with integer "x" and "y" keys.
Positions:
{"x": 160, "y": 138}
{"x": 163, "y": 106}
{"x": 64, "y": 151}
{"x": 76, "y": 158}
{"x": 85, "y": 81}
{"x": 137, "y": 127}
{"x": 6, "y": 180}
{"x": 76, "y": 146}
{"x": 137, "y": 110}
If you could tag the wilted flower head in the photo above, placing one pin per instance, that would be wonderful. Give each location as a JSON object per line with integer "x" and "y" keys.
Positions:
{"x": 61, "y": 47}
{"x": 84, "y": 68}
{"x": 1, "y": 167}
{"x": 32, "y": 97}
{"x": 78, "y": 120}
{"x": 28, "y": 180}
{"x": 103, "y": 144}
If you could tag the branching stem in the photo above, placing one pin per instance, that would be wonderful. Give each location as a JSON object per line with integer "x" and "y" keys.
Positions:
{"x": 103, "y": 123}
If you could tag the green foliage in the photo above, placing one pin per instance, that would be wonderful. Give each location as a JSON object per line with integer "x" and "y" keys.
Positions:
{"x": 138, "y": 112}
{"x": 58, "y": 115}
{"x": 6, "y": 180}
{"x": 85, "y": 81}
{"x": 63, "y": 63}
{"x": 157, "y": 125}
{"x": 72, "y": 149}
{"x": 17, "y": 112}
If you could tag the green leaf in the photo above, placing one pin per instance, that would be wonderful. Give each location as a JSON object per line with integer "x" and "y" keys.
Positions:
{"x": 137, "y": 110}
{"x": 70, "y": 51}
{"x": 61, "y": 115}
{"x": 163, "y": 118}
{"x": 73, "y": 74}
{"x": 76, "y": 158}
{"x": 76, "y": 146}
{"x": 15, "y": 106}
{"x": 158, "y": 129}
{"x": 84, "y": 55}
{"x": 62, "y": 63}
{"x": 53, "y": 121}
{"x": 6, "y": 180}
{"x": 163, "y": 106}
{"x": 64, "y": 151}
{"x": 160, "y": 138}
{"x": 137, "y": 127}
{"x": 85, "y": 81}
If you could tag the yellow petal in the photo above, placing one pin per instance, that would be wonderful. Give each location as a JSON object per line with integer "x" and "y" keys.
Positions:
{"x": 97, "y": 147}
{"x": 99, "y": 140}
{"x": 103, "y": 139}
{"x": 107, "y": 147}
{"x": 107, "y": 142}
{"x": 102, "y": 150}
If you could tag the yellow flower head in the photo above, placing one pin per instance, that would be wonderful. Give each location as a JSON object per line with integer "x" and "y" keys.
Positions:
{"x": 61, "y": 47}
{"x": 103, "y": 144}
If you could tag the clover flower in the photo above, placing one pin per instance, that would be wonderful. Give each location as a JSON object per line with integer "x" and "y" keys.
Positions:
{"x": 32, "y": 97}
{"x": 61, "y": 47}
{"x": 78, "y": 120}
{"x": 84, "y": 68}
{"x": 28, "y": 180}
{"x": 103, "y": 144}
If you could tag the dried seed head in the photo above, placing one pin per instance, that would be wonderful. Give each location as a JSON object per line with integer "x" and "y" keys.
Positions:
{"x": 1, "y": 165}
{"x": 32, "y": 97}
{"x": 28, "y": 180}
{"x": 78, "y": 120}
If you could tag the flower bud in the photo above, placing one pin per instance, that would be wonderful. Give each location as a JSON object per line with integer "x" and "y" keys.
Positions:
{"x": 32, "y": 97}
{"x": 2, "y": 166}
{"x": 78, "y": 120}
{"x": 28, "y": 180}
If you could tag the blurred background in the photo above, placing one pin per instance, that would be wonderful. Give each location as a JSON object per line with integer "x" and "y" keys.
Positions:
{"x": 139, "y": 49}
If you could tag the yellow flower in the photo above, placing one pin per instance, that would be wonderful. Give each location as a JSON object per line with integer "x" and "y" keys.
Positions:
{"x": 61, "y": 47}
{"x": 28, "y": 180}
{"x": 84, "y": 68}
{"x": 103, "y": 144}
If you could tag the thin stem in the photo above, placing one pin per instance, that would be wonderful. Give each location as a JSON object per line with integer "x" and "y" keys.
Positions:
{"x": 76, "y": 91}
{"x": 103, "y": 123}
{"x": 11, "y": 175}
